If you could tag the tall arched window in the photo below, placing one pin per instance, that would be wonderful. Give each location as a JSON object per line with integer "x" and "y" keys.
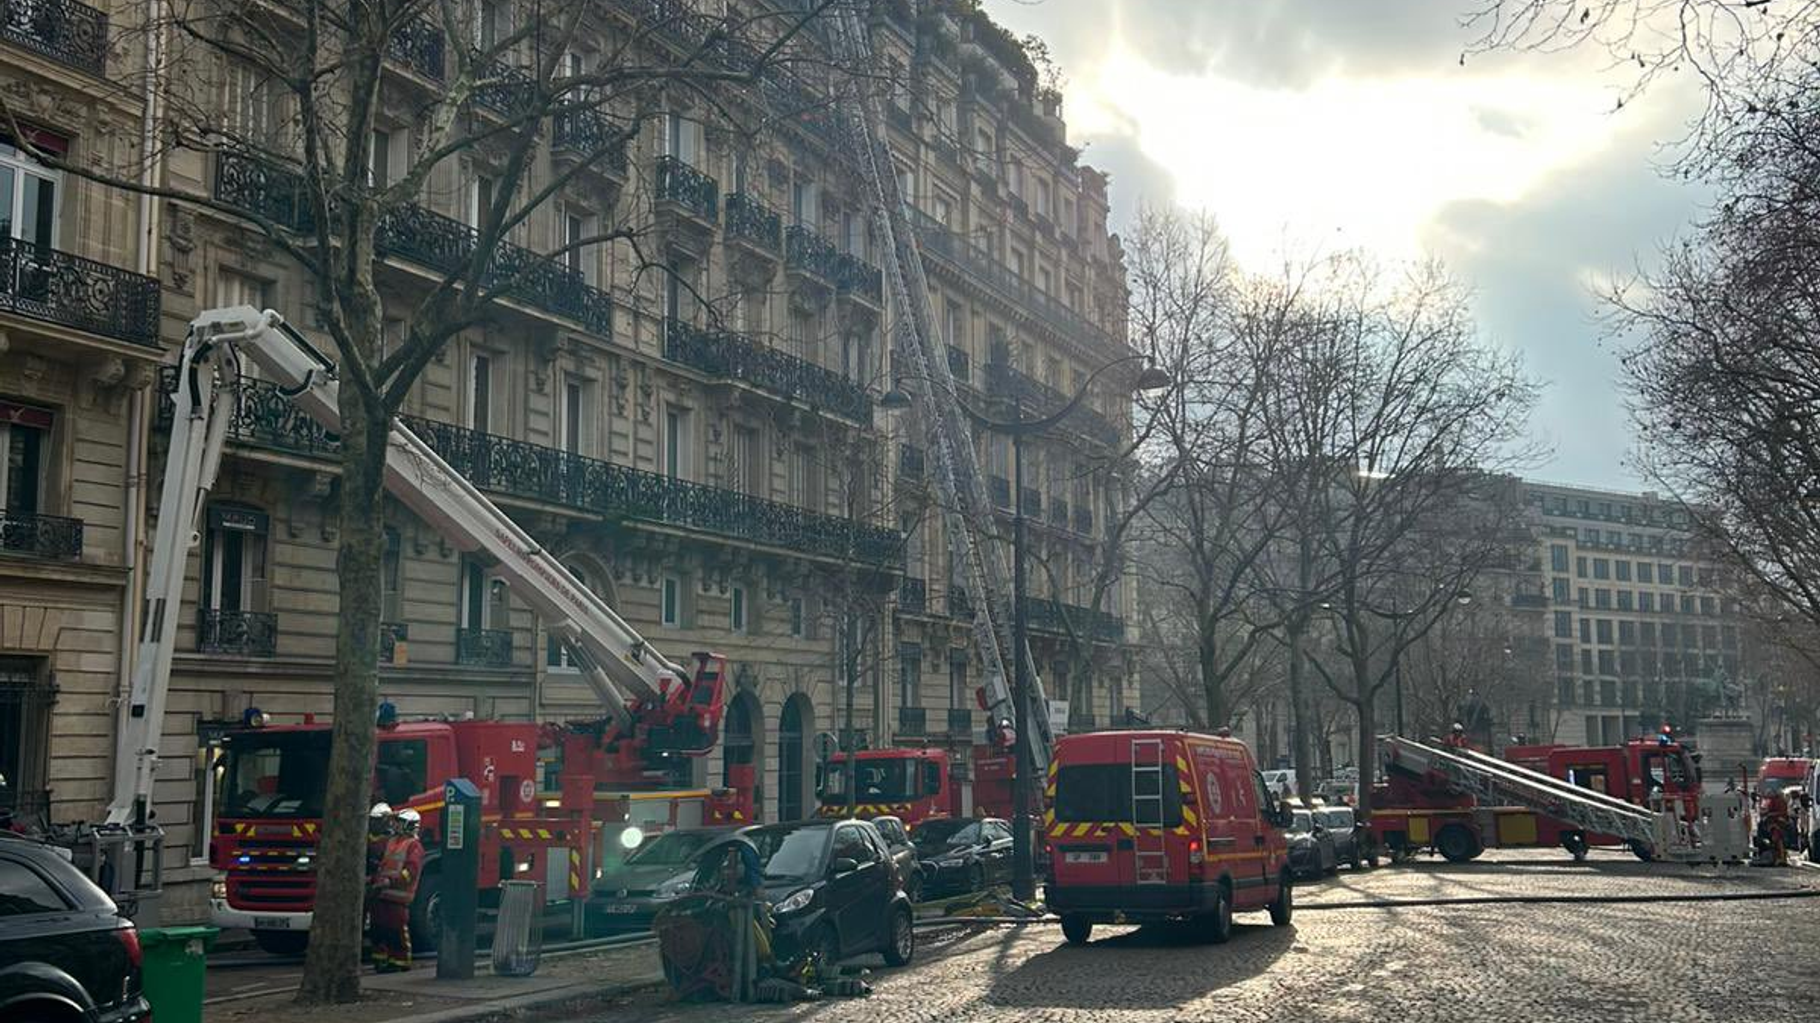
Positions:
{"x": 736, "y": 744}
{"x": 792, "y": 754}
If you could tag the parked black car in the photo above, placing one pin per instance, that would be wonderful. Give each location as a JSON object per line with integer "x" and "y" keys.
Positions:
{"x": 628, "y": 895}
{"x": 833, "y": 888}
{"x": 961, "y": 854}
{"x": 66, "y": 952}
{"x": 1311, "y": 852}
{"x": 903, "y": 853}
{"x": 1351, "y": 840}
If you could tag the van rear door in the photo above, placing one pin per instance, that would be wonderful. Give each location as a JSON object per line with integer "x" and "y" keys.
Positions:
{"x": 1092, "y": 832}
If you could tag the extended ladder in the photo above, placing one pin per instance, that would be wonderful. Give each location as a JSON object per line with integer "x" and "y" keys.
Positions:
{"x": 1149, "y": 844}
{"x": 966, "y": 506}
{"x": 1502, "y": 782}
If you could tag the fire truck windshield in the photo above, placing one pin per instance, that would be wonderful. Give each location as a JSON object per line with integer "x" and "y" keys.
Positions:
{"x": 274, "y": 774}
{"x": 877, "y": 781}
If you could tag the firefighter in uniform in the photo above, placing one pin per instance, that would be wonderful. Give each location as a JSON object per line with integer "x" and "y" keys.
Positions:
{"x": 394, "y": 889}
{"x": 1457, "y": 738}
{"x": 379, "y": 828}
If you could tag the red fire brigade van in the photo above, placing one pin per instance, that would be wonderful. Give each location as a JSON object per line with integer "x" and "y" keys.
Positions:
{"x": 1151, "y": 826}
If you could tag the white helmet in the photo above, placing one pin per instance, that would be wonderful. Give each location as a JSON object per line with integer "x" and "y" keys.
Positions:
{"x": 380, "y": 810}
{"x": 410, "y": 818}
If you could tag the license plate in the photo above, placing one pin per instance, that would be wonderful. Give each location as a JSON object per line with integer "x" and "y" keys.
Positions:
{"x": 621, "y": 907}
{"x": 271, "y": 923}
{"x": 1084, "y": 857}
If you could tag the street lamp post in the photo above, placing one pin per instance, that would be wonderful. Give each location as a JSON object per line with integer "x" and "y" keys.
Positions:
{"x": 1023, "y": 872}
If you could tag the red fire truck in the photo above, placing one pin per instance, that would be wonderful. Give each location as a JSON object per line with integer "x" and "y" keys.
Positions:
{"x": 919, "y": 783}
{"x": 1419, "y": 807}
{"x": 553, "y": 793}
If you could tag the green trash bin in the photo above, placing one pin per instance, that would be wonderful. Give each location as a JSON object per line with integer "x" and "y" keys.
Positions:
{"x": 174, "y": 966}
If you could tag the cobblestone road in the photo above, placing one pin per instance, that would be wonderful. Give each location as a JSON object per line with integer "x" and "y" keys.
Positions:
{"x": 1688, "y": 960}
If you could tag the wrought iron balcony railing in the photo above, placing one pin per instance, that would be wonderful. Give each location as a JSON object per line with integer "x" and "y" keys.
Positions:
{"x": 1054, "y": 616}
{"x": 539, "y": 473}
{"x": 57, "y": 287}
{"x": 446, "y": 245}
{"x": 960, "y": 364}
{"x": 688, "y": 189}
{"x": 589, "y": 133}
{"x": 960, "y": 721}
{"x": 505, "y": 90}
{"x": 418, "y": 46}
{"x": 486, "y": 648}
{"x": 31, "y": 535}
{"x": 912, "y": 595}
{"x": 809, "y": 253}
{"x": 911, "y": 462}
{"x": 429, "y": 239}
{"x": 913, "y": 721}
{"x": 1005, "y": 381}
{"x": 239, "y": 633}
{"x": 67, "y": 32}
{"x": 731, "y": 356}
{"x": 855, "y": 276}
{"x": 752, "y": 222}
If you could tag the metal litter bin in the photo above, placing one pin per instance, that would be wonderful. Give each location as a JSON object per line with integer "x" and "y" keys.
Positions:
{"x": 518, "y": 934}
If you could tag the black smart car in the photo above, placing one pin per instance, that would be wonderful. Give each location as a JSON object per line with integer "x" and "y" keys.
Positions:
{"x": 66, "y": 953}
{"x": 834, "y": 889}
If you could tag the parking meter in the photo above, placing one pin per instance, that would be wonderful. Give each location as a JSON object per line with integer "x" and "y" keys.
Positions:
{"x": 460, "y": 879}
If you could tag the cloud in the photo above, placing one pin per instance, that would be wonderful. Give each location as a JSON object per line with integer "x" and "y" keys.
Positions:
{"x": 1136, "y": 180}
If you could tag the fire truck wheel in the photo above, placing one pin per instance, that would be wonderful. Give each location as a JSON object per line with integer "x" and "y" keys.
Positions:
{"x": 426, "y": 912}
{"x": 1642, "y": 851}
{"x": 1457, "y": 843}
{"x": 903, "y": 940}
{"x": 1076, "y": 929}
{"x": 1282, "y": 909}
{"x": 282, "y": 943}
{"x": 1575, "y": 846}
{"x": 1216, "y": 926}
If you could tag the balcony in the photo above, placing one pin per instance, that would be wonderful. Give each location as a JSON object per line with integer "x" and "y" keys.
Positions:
{"x": 50, "y": 537}
{"x": 911, "y": 463}
{"x": 446, "y": 245}
{"x": 46, "y": 284}
{"x": 912, "y": 595}
{"x": 960, "y": 721}
{"x": 484, "y": 648}
{"x": 418, "y": 46}
{"x": 615, "y": 492}
{"x": 505, "y": 90}
{"x": 586, "y": 134}
{"x": 67, "y": 32}
{"x": 978, "y": 265}
{"x": 237, "y": 633}
{"x": 960, "y": 365}
{"x": 1054, "y": 616}
{"x": 729, "y": 356}
{"x": 694, "y": 194}
{"x": 752, "y": 223}
{"x": 860, "y": 280}
{"x": 428, "y": 239}
{"x": 1005, "y": 382}
{"x": 999, "y": 488}
{"x": 913, "y": 722}
{"x": 810, "y": 256}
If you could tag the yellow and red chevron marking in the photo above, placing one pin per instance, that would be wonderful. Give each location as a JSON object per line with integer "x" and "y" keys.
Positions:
{"x": 574, "y": 870}
{"x": 864, "y": 810}
{"x": 543, "y": 834}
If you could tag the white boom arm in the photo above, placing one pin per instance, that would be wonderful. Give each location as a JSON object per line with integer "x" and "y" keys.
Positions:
{"x": 616, "y": 660}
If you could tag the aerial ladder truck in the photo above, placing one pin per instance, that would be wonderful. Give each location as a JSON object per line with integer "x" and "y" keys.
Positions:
{"x": 917, "y": 783}
{"x": 612, "y": 776}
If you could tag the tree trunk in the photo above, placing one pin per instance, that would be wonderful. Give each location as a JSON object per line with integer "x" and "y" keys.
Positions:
{"x": 331, "y": 971}
{"x": 1298, "y": 711}
{"x": 1213, "y": 683}
{"x": 1368, "y": 753}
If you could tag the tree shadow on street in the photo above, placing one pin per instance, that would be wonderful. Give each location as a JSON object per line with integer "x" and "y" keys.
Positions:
{"x": 1145, "y": 968}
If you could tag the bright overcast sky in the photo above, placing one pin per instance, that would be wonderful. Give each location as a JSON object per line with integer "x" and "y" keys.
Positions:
{"x": 1319, "y": 124}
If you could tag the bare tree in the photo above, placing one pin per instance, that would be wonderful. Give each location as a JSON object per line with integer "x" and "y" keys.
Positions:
{"x": 283, "y": 106}
{"x": 1391, "y": 420}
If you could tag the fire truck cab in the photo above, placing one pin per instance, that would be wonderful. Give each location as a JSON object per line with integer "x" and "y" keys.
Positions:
{"x": 1152, "y": 826}
{"x": 913, "y": 785}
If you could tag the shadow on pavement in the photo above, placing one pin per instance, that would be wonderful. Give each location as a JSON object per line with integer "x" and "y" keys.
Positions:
{"x": 1150, "y": 967}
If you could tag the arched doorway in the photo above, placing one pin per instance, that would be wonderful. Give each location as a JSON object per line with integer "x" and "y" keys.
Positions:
{"x": 742, "y": 745}
{"x": 794, "y": 727}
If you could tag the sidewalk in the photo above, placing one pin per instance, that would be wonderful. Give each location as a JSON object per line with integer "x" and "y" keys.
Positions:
{"x": 586, "y": 980}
